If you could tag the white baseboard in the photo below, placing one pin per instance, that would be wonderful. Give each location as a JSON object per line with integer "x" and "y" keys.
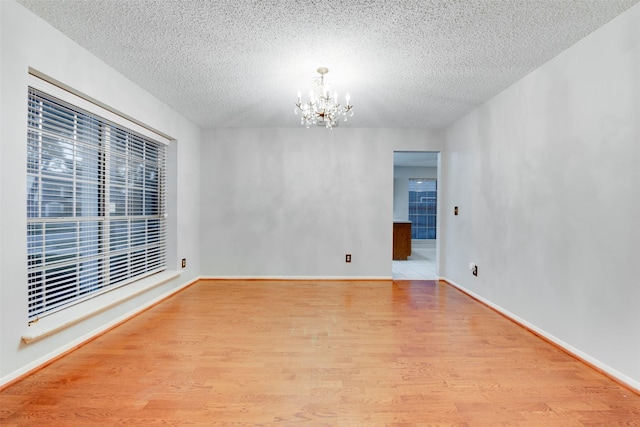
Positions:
{"x": 44, "y": 360}
{"x": 618, "y": 376}
{"x": 324, "y": 278}
{"x": 606, "y": 369}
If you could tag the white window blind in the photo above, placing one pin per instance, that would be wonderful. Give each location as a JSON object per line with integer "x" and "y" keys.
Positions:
{"x": 95, "y": 205}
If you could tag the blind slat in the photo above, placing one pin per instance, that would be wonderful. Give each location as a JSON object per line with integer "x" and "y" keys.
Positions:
{"x": 95, "y": 205}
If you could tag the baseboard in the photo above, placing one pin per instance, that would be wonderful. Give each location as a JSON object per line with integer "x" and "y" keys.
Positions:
{"x": 302, "y": 278}
{"x": 29, "y": 369}
{"x": 51, "y": 357}
{"x": 616, "y": 376}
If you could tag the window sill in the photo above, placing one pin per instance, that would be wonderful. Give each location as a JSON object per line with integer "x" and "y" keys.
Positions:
{"x": 77, "y": 313}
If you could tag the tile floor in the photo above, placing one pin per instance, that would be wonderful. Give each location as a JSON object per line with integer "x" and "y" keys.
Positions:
{"x": 420, "y": 265}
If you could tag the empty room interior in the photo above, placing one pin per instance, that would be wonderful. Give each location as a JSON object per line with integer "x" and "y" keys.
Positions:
{"x": 329, "y": 213}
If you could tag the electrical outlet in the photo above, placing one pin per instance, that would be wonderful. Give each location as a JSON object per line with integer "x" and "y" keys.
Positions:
{"x": 347, "y": 258}
{"x": 473, "y": 268}
{"x": 455, "y": 210}
{"x": 184, "y": 263}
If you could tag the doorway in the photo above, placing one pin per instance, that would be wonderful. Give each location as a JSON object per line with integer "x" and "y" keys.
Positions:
{"x": 415, "y": 184}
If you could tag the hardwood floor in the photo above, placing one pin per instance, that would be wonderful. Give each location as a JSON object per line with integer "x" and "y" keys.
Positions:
{"x": 318, "y": 353}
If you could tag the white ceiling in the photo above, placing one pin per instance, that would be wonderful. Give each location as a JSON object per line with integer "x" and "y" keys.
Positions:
{"x": 239, "y": 63}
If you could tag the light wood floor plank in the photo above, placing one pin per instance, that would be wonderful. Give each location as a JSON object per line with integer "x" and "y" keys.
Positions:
{"x": 318, "y": 353}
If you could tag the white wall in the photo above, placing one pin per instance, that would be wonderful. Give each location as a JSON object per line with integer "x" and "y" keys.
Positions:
{"x": 547, "y": 178}
{"x": 27, "y": 41}
{"x": 293, "y": 202}
{"x": 401, "y": 176}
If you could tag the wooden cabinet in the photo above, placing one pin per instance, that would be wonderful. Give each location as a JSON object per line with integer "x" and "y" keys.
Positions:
{"x": 401, "y": 240}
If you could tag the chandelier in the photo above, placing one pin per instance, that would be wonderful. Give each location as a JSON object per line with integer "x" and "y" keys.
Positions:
{"x": 323, "y": 108}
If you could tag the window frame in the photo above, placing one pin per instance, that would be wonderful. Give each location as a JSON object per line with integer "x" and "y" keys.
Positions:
{"x": 428, "y": 219}
{"x": 115, "y": 120}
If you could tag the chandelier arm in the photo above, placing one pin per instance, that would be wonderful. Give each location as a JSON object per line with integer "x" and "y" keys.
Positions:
{"x": 322, "y": 108}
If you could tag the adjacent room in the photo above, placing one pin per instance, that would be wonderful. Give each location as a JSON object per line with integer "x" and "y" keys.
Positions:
{"x": 333, "y": 213}
{"x": 415, "y": 215}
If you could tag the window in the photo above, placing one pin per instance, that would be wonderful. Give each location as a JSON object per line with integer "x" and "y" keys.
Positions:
{"x": 422, "y": 207}
{"x": 95, "y": 205}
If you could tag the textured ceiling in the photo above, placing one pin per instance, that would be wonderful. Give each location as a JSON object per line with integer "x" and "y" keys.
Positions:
{"x": 239, "y": 63}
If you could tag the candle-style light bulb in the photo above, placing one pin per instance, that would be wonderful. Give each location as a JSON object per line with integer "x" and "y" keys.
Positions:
{"x": 348, "y": 98}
